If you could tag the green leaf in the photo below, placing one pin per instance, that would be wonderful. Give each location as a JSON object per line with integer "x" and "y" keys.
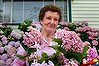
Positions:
{"x": 44, "y": 58}
{"x": 85, "y": 49}
{"x": 25, "y": 47}
{"x": 23, "y": 27}
{"x": 20, "y": 56}
{"x": 56, "y": 47}
{"x": 71, "y": 26}
{"x": 78, "y": 56}
{"x": 28, "y": 50}
{"x": 7, "y": 31}
{"x": 84, "y": 52}
{"x": 58, "y": 40}
{"x": 30, "y": 61}
{"x": 31, "y": 50}
{"x": 62, "y": 50}
{"x": 28, "y": 22}
{"x": 68, "y": 54}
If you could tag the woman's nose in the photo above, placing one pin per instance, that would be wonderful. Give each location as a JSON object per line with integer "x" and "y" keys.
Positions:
{"x": 52, "y": 21}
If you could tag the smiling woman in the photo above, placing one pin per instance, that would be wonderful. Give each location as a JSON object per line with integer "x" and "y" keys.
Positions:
{"x": 49, "y": 18}
{"x": 49, "y": 23}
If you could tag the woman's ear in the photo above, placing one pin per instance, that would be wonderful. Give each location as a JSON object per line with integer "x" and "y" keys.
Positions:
{"x": 40, "y": 22}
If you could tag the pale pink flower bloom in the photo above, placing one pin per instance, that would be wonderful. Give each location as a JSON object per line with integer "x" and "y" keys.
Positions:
{"x": 70, "y": 39}
{"x": 87, "y": 43}
{"x": 13, "y": 56}
{"x": 18, "y": 62}
{"x": 49, "y": 51}
{"x": 11, "y": 43}
{"x": 10, "y": 49}
{"x": 30, "y": 28}
{"x": 16, "y": 34}
{"x": 1, "y": 49}
{"x": 4, "y": 57}
{"x": 2, "y": 62}
{"x": 35, "y": 64}
{"x": 84, "y": 23}
{"x": 77, "y": 23}
{"x": 70, "y": 62}
{"x": 9, "y": 62}
{"x": 92, "y": 33}
{"x": 95, "y": 29}
{"x": 53, "y": 43}
{"x": 92, "y": 37}
{"x": 43, "y": 64}
{"x": 17, "y": 44}
{"x": 92, "y": 53}
{"x": 4, "y": 40}
{"x": 51, "y": 63}
{"x": 31, "y": 37}
{"x": 95, "y": 43}
{"x": 83, "y": 29}
{"x": 64, "y": 23}
{"x": 37, "y": 24}
{"x": 21, "y": 51}
{"x": 66, "y": 28}
{"x": 38, "y": 54}
{"x": 1, "y": 32}
{"x": 0, "y": 24}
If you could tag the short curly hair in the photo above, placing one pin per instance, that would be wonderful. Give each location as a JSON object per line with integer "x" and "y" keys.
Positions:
{"x": 51, "y": 8}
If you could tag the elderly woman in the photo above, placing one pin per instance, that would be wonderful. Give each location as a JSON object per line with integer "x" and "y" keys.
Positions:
{"x": 49, "y": 17}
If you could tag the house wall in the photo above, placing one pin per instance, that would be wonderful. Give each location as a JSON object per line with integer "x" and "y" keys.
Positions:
{"x": 86, "y": 10}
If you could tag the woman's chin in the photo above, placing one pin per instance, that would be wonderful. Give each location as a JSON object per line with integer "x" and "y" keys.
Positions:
{"x": 51, "y": 31}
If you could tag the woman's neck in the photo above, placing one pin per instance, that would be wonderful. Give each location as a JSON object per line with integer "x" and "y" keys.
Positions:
{"x": 47, "y": 35}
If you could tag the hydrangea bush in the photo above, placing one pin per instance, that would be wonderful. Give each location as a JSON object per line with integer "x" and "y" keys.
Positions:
{"x": 72, "y": 43}
{"x": 9, "y": 42}
{"x": 88, "y": 35}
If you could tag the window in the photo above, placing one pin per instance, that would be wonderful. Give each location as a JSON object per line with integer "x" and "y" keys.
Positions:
{"x": 18, "y": 10}
{"x": 1, "y": 11}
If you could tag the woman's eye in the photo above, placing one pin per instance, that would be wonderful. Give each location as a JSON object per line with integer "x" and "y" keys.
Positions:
{"x": 49, "y": 18}
{"x": 55, "y": 19}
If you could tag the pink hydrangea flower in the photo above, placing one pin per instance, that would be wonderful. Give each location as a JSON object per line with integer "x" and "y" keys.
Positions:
{"x": 32, "y": 37}
{"x": 43, "y": 64}
{"x": 92, "y": 53}
{"x": 95, "y": 43}
{"x": 16, "y": 34}
{"x": 70, "y": 39}
{"x": 4, "y": 40}
{"x": 4, "y": 57}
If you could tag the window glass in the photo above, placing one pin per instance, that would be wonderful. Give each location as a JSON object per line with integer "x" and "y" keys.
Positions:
{"x": 1, "y": 11}
{"x": 5, "y": 11}
{"x": 31, "y": 10}
{"x": 63, "y": 6}
{"x": 19, "y": 10}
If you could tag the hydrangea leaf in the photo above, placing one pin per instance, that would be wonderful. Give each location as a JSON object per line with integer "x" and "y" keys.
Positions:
{"x": 20, "y": 56}
{"x": 28, "y": 22}
{"x": 58, "y": 40}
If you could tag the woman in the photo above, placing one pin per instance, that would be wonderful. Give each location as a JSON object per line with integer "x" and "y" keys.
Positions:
{"x": 49, "y": 17}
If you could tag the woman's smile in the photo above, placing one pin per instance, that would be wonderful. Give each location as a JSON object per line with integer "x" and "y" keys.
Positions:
{"x": 50, "y": 21}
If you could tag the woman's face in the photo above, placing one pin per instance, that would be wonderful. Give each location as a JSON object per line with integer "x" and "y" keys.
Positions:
{"x": 50, "y": 21}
